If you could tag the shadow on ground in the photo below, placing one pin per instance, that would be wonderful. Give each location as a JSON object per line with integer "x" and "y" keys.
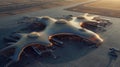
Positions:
{"x": 111, "y": 62}
{"x": 70, "y": 52}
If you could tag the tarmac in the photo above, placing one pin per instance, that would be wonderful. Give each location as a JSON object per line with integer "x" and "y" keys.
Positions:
{"x": 73, "y": 54}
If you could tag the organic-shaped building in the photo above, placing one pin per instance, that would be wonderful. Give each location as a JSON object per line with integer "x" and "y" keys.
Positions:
{"x": 53, "y": 27}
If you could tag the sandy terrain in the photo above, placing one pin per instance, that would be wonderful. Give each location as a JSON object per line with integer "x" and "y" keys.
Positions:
{"x": 14, "y": 2}
{"x": 72, "y": 55}
{"x": 22, "y": 6}
{"x": 101, "y": 7}
{"x": 106, "y": 4}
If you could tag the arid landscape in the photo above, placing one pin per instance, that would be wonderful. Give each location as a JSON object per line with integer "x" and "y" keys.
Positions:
{"x": 100, "y": 7}
{"x": 10, "y": 7}
{"x": 73, "y": 52}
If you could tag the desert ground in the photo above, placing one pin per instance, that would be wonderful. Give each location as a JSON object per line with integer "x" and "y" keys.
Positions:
{"x": 10, "y": 7}
{"x": 106, "y": 4}
{"x": 101, "y": 7}
{"x": 73, "y": 54}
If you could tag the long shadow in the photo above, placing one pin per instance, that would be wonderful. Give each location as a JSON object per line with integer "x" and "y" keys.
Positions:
{"x": 111, "y": 61}
{"x": 4, "y": 32}
{"x": 71, "y": 51}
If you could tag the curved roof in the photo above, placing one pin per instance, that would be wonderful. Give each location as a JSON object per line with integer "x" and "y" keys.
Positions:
{"x": 53, "y": 27}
